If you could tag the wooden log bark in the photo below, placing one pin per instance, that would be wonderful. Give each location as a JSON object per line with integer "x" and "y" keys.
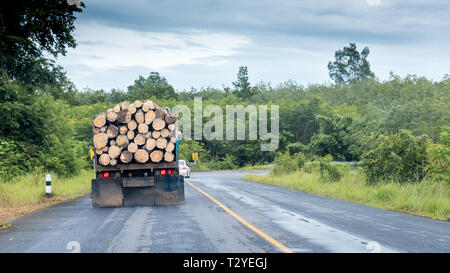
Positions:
{"x": 170, "y": 119}
{"x": 170, "y": 147}
{"x": 156, "y": 156}
{"x": 158, "y": 124}
{"x": 161, "y": 143}
{"x": 141, "y": 156}
{"x": 103, "y": 129}
{"x": 111, "y": 116}
{"x": 160, "y": 113}
{"x": 143, "y": 128}
{"x": 130, "y": 135}
{"x": 126, "y": 156}
{"x": 139, "y": 116}
{"x": 132, "y": 125}
{"x": 132, "y": 147}
{"x": 100, "y": 120}
{"x": 168, "y": 156}
{"x": 149, "y": 117}
{"x": 114, "y": 152}
{"x": 100, "y": 140}
{"x": 122, "y": 141}
{"x": 95, "y": 131}
{"x": 139, "y": 139}
{"x": 112, "y": 131}
{"x": 124, "y": 116}
{"x": 104, "y": 159}
{"x": 150, "y": 144}
{"x": 123, "y": 129}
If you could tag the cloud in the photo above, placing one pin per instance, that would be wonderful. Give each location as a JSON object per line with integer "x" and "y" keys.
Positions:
{"x": 374, "y": 2}
{"x": 103, "y": 47}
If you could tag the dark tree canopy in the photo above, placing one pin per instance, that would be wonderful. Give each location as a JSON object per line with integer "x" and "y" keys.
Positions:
{"x": 154, "y": 85}
{"x": 242, "y": 87}
{"x": 30, "y": 28}
{"x": 350, "y": 65}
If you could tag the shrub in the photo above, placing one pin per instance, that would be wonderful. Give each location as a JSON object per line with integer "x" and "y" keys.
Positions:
{"x": 439, "y": 157}
{"x": 400, "y": 158}
{"x": 328, "y": 171}
{"x": 284, "y": 164}
{"x": 226, "y": 164}
{"x": 300, "y": 160}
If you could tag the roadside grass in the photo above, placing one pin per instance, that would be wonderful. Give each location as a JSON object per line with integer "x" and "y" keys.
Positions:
{"x": 426, "y": 198}
{"x": 256, "y": 167}
{"x": 26, "y": 193}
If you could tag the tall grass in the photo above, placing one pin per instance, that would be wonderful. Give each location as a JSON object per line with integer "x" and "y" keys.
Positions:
{"x": 425, "y": 198}
{"x": 30, "y": 188}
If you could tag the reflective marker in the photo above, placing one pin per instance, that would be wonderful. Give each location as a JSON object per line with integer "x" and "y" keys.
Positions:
{"x": 48, "y": 184}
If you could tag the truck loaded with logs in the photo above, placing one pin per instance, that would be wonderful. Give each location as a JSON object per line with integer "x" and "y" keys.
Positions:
{"x": 136, "y": 156}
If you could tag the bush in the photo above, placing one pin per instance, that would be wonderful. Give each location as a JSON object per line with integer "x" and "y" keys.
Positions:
{"x": 328, "y": 171}
{"x": 226, "y": 164}
{"x": 439, "y": 157}
{"x": 284, "y": 164}
{"x": 400, "y": 158}
{"x": 300, "y": 160}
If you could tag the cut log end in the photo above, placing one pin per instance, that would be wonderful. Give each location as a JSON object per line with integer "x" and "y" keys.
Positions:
{"x": 100, "y": 140}
{"x": 100, "y": 120}
{"x": 156, "y": 156}
{"x": 104, "y": 159}
{"x": 141, "y": 156}
{"x": 169, "y": 156}
{"x": 158, "y": 124}
{"x": 126, "y": 156}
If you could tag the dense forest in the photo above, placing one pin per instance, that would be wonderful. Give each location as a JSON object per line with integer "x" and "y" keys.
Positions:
{"x": 46, "y": 120}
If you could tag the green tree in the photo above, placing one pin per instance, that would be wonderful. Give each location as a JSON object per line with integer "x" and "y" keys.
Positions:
{"x": 242, "y": 87}
{"x": 350, "y": 65}
{"x": 152, "y": 86}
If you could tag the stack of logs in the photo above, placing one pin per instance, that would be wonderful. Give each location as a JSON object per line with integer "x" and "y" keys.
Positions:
{"x": 134, "y": 132}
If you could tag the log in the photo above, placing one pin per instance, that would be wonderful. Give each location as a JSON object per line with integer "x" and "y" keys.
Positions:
{"x": 114, "y": 152}
{"x": 173, "y": 140}
{"x": 132, "y": 125}
{"x": 112, "y": 143}
{"x": 124, "y": 116}
{"x": 139, "y": 116}
{"x": 132, "y": 147}
{"x": 171, "y": 127}
{"x": 139, "y": 139}
{"x": 147, "y": 135}
{"x": 95, "y": 131}
{"x": 123, "y": 129}
{"x": 165, "y": 133}
{"x": 113, "y": 162}
{"x": 117, "y": 108}
{"x": 148, "y": 105}
{"x": 168, "y": 156}
{"x": 170, "y": 147}
{"x": 111, "y": 116}
{"x": 100, "y": 120}
{"x": 150, "y": 144}
{"x": 132, "y": 108}
{"x": 158, "y": 124}
{"x": 104, "y": 159}
{"x": 125, "y": 105}
{"x": 141, "y": 156}
{"x": 100, "y": 140}
{"x": 143, "y": 128}
{"x": 130, "y": 135}
{"x": 156, "y": 156}
{"x": 122, "y": 141}
{"x": 112, "y": 131}
{"x": 149, "y": 117}
{"x": 105, "y": 149}
{"x": 99, "y": 151}
{"x": 170, "y": 119}
{"x": 103, "y": 129}
{"x": 160, "y": 113}
{"x": 138, "y": 103}
{"x": 126, "y": 156}
{"x": 161, "y": 143}
{"x": 156, "y": 134}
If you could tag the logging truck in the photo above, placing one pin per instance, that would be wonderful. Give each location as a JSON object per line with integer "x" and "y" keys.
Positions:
{"x": 136, "y": 157}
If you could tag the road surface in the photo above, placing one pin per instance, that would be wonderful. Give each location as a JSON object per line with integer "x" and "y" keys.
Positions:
{"x": 249, "y": 217}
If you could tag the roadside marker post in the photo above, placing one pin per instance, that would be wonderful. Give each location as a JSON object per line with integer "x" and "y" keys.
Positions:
{"x": 48, "y": 185}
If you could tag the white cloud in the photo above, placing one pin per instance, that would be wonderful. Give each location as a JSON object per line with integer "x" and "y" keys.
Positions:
{"x": 102, "y": 47}
{"x": 374, "y": 2}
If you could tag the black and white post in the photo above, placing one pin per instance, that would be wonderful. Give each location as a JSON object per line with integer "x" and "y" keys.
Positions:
{"x": 48, "y": 185}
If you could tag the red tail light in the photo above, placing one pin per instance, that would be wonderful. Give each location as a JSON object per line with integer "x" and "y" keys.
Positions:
{"x": 169, "y": 171}
{"x": 106, "y": 174}
{"x": 184, "y": 168}
{"x": 163, "y": 172}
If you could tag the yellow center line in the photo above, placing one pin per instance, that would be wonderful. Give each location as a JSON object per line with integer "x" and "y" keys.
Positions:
{"x": 245, "y": 222}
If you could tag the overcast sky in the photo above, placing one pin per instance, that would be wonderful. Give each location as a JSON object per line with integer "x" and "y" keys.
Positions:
{"x": 202, "y": 43}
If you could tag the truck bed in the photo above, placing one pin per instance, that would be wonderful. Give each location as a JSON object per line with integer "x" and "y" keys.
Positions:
{"x": 136, "y": 166}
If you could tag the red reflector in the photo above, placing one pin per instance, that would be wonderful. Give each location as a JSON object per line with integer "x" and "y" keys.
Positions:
{"x": 106, "y": 175}
{"x": 163, "y": 172}
{"x": 170, "y": 171}
{"x": 184, "y": 168}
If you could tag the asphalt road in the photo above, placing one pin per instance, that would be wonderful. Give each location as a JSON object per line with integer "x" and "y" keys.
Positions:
{"x": 299, "y": 221}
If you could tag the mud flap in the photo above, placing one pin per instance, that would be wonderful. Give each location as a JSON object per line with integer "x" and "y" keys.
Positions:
{"x": 107, "y": 193}
{"x": 169, "y": 190}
